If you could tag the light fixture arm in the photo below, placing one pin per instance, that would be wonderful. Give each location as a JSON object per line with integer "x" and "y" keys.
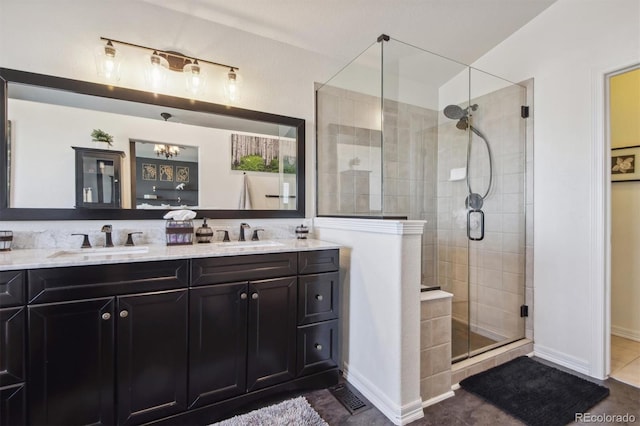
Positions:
{"x": 176, "y": 59}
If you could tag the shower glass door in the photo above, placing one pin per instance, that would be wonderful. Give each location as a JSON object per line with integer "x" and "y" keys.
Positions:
{"x": 495, "y": 212}
{"x": 406, "y": 133}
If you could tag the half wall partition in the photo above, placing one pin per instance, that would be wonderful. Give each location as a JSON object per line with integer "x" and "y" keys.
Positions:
{"x": 406, "y": 133}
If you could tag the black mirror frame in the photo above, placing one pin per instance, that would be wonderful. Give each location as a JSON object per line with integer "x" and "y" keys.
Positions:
{"x": 95, "y": 89}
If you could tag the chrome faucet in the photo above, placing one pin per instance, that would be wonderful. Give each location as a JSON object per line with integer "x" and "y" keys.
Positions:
{"x": 243, "y": 226}
{"x": 107, "y": 230}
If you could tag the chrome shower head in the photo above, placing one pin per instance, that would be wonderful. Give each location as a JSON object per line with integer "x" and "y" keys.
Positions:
{"x": 454, "y": 112}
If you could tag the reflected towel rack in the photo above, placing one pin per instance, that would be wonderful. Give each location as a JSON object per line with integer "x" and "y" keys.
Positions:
{"x": 278, "y": 196}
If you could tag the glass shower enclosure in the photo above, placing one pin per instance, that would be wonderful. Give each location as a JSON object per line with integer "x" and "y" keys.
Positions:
{"x": 406, "y": 133}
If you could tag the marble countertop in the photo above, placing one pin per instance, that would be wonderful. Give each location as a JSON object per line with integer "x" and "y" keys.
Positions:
{"x": 53, "y": 258}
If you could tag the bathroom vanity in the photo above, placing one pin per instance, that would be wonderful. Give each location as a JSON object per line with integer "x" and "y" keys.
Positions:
{"x": 176, "y": 335}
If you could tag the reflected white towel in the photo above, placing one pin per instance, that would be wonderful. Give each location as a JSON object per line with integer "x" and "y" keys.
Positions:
{"x": 245, "y": 195}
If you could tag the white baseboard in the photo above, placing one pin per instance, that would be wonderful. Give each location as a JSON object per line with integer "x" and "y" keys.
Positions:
{"x": 437, "y": 399}
{"x": 560, "y": 358}
{"x": 399, "y": 415}
{"x": 627, "y": 333}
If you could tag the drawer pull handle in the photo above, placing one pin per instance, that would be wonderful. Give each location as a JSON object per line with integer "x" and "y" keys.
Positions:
{"x": 124, "y": 314}
{"x": 106, "y": 316}
{"x": 254, "y": 296}
{"x": 243, "y": 296}
{"x": 318, "y": 346}
{"x": 319, "y": 297}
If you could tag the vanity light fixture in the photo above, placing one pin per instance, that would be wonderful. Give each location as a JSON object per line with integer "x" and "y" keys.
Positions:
{"x": 108, "y": 62}
{"x": 232, "y": 86}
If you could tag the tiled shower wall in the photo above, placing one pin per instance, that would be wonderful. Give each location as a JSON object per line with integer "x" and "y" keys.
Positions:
{"x": 421, "y": 146}
{"x": 351, "y": 173}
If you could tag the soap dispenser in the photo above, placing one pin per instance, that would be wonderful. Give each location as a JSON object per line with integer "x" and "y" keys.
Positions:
{"x": 204, "y": 234}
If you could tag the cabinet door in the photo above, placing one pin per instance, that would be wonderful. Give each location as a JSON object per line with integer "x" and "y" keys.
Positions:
{"x": 12, "y": 322}
{"x": 272, "y": 332}
{"x": 71, "y": 363}
{"x": 12, "y": 406}
{"x": 152, "y": 356}
{"x": 217, "y": 343}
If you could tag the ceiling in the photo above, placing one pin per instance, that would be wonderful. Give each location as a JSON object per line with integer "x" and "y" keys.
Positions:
{"x": 463, "y": 30}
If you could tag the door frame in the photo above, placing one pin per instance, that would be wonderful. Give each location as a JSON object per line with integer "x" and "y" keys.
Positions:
{"x": 600, "y": 221}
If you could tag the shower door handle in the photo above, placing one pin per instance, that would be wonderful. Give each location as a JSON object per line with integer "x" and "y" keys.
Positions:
{"x": 480, "y": 214}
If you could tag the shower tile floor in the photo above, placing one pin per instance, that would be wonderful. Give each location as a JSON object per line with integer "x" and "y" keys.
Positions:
{"x": 625, "y": 360}
{"x": 463, "y": 340}
{"x": 466, "y": 409}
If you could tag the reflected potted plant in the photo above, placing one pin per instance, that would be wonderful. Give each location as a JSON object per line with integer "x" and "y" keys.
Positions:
{"x": 101, "y": 136}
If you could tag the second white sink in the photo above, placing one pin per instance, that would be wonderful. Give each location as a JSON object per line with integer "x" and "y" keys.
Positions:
{"x": 100, "y": 251}
{"x": 248, "y": 244}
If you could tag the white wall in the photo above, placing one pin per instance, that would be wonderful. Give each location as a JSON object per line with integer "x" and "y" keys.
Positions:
{"x": 565, "y": 49}
{"x": 46, "y": 132}
{"x": 59, "y": 38}
{"x": 625, "y": 270}
{"x": 380, "y": 310}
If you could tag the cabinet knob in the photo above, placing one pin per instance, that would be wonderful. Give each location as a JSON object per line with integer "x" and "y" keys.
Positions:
{"x": 254, "y": 296}
{"x": 106, "y": 316}
{"x": 243, "y": 296}
{"x": 319, "y": 297}
{"x": 124, "y": 314}
{"x": 318, "y": 346}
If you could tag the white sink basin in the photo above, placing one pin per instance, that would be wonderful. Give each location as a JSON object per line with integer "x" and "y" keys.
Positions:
{"x": 100, "y": 251}
{"x": 248, "y": 244}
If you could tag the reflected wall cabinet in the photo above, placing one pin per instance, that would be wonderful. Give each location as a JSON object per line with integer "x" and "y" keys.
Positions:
{"x": 98, "y": 178}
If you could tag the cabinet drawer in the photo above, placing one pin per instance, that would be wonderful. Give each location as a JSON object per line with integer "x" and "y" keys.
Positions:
{"x": 12, "y": 335}
{"x": 11, "y": 288}
{"x": 228, "y": 269}
{"x": 87, "y": 282}
{"x": 317, "y": 347}
{"x": 314, "y": 262}
{"x": 317, "y": 297}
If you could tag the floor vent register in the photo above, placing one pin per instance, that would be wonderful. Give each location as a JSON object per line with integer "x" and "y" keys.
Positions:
{"x": 350, "y": 398}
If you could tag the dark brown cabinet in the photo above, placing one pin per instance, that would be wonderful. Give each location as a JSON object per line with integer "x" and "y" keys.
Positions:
{"x": 318, "y": 311}
{"x": 272, "y": 332}
{"x": 98, "y": 178}
{"x": 119, "y": 359}
{"x": 167, "y": 342}
{"x": 151, "y": 356}
{"x": 242, "y": 338}
{"x": 12, "y": 348}
{"x": 71, "y": 362}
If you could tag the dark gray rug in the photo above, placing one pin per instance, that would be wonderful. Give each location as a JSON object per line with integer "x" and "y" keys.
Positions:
{"x": 535, "y": 393}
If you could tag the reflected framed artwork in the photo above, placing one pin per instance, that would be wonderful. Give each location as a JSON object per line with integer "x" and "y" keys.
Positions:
{"x": 624, "y": 167}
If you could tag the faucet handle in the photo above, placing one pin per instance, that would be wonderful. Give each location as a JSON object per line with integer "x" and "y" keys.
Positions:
{"x": 130, "y": 238}
{"x": 255, "y": 234}
{"x": 85, "y": 241}
{"x": 226, "y": 235}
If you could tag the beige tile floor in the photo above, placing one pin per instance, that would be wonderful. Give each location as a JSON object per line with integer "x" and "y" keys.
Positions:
{"x": 625, "y": 360}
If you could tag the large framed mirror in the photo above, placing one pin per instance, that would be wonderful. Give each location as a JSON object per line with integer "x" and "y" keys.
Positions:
{"x": 221, "y": 161}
